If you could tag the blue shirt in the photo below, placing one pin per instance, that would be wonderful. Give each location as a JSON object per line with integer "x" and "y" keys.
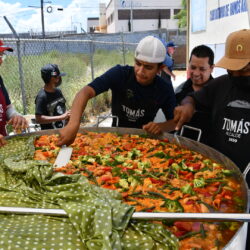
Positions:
{"x": 169, "y": 62}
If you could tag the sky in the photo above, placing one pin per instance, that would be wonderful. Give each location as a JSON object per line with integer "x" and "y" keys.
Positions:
{"x": 25, "y": 15}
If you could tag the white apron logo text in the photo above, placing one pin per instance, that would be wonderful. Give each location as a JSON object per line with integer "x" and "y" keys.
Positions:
{"x": 235, "y": 129}
{"x": 133, "y": 114}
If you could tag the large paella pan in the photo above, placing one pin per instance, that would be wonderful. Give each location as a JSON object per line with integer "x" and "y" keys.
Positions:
{"x": 157, "y": 178}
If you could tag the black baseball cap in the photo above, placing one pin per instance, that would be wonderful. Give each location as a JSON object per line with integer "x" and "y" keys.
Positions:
{"x": 51, "y": 70}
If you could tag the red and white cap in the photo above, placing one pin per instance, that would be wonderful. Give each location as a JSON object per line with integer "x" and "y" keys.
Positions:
{"x": 3, "y": 47}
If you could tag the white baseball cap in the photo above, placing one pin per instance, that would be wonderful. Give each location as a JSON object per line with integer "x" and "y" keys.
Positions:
{"x": 150, "y": 49}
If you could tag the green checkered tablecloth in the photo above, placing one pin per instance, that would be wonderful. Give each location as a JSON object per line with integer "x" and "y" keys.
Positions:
{"x": 96, "y": 217}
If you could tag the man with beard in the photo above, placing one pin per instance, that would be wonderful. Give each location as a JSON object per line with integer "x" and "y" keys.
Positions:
{"x": 227, "y": 100}
{"x": 50, "y": 103}
{"x": 137, "y": 92}
{"x": 8, "y": 114}
{"x": 200, "y": 68}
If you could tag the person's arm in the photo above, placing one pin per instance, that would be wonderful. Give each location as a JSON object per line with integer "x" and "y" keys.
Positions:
{"x": 44, "y": 119}
{"x": 157, "y": 128}
{"x": 15, "y": 119}
{"x": 68, "y": 133}
{"x": 184, "y": 112}
{"x": 168, "y": 105}
{"x": 167, "y": 71}
{"x": 41, "y": 113}
{"x": 2, "y": 141}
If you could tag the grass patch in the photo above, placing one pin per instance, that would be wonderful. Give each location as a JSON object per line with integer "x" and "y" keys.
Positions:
{"x": 76, "y": 66}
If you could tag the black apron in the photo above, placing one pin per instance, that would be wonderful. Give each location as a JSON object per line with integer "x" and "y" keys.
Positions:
{"x": 135, "y": 105}
{"x": 232, "y": 128}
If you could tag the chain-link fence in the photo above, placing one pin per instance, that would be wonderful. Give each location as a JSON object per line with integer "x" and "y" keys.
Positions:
{"x": 82, "y": 60}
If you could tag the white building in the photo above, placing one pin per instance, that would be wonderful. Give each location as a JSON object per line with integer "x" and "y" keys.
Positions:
{"x": 210, "y": 22}
{"x": 92, "y": 23}
{"x": 139, "y": 15}
{"x": 98, "y": 24}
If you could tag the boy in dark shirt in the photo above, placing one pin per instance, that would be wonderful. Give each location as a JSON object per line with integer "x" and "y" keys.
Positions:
{"x": 50, "y": 103}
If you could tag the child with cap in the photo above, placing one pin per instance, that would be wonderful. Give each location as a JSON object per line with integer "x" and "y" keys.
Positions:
{"x": 50, "y": 103}
{"x": 8, "y": 114}
{"x": 137, "y": 92}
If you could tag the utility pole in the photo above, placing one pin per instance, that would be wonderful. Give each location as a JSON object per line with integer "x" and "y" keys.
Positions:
{"x": 131, "y": 16}
{"x": 42, "y": 16}
{"x": 49, "y": 10}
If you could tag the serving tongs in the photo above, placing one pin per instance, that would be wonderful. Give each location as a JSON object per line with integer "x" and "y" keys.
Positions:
{"x": 243, "y": 217}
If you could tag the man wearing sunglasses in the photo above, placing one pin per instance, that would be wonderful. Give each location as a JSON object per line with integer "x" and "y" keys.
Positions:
{"x": 8, "y": 114}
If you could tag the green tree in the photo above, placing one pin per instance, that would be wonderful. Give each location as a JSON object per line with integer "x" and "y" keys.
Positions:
{"x": 182, "y": 15}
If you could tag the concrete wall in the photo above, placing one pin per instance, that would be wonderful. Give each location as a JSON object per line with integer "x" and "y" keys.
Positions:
{"x": 212, "y": 21}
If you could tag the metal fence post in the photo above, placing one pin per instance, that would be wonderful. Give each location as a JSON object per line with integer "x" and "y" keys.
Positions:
{"x": 123, "y": 49}
{"x": 92, "y": 69}
{"x": 92, "y": 59}
{"x": 20, "y": 66}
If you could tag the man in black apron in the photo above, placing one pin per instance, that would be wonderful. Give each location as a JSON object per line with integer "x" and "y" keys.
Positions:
{"x": 137, "y": 92}
{"x": 227, "y": 98}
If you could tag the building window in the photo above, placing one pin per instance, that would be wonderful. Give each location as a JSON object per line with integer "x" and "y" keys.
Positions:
{"x": 144, "y": 14}
{"x": 110, "y": 19}
{"x": 176, "y": 11}
{"x": 198, "y": 16}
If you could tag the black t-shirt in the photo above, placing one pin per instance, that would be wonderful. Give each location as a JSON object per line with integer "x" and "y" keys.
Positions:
{"x": 5, "y": 93}
{"x": 134, "y": 104}
{"x": 200, "y": 119}
{"x": 183, "y": 90}
{"x": 228, "y": 103}
{"x": 51, "y": 104}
